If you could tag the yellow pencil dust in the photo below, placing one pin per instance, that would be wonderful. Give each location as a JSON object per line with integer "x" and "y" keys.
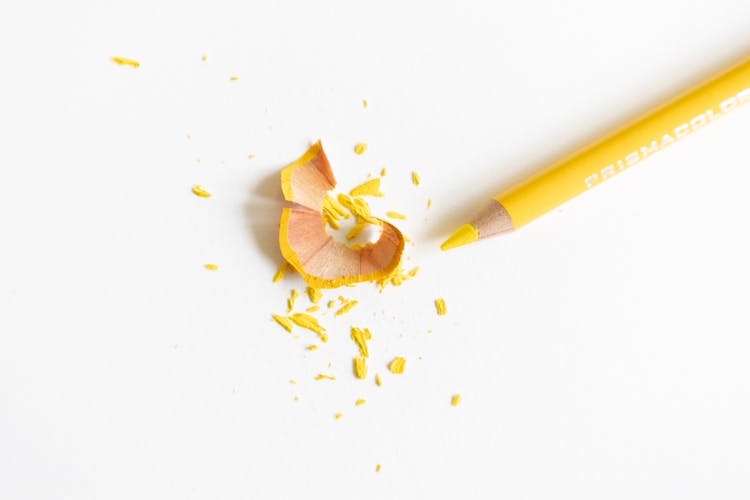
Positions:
{"x": 124, "y": 61}
{"x": 285, "y": 322}
{"x": 322, "y": 261}
{"x": 360, "y": 367}
{"x": 440, "y": 306}
{"x": 199, "y": 191}
{"x": 397, "y": 366}
{"x": 292, "y": 299}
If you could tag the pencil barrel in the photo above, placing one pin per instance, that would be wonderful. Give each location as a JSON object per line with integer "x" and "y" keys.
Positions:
{"x": 628, "y": 146}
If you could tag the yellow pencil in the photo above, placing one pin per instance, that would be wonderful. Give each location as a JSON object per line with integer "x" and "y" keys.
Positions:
{"x": 588, "y": 168}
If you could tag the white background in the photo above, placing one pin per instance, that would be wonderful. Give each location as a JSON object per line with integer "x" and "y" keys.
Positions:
{"x": 602, "y": 352}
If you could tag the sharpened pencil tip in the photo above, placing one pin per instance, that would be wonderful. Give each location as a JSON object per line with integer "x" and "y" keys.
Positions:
{"x": 463, "y": 236}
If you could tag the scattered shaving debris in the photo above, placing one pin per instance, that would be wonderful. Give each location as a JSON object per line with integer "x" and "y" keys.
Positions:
{"x": 204, "y": 58}
{"x": 281, "y": 272}
{"x": 397, "y": 365}
{"x": 199, "y": 191}
{"x": 360, "y": 337}
{"x": 348, "y": 306}
{"x": 397, "y": 277}
{"x": 378, "y": 380}
{"x": 250, "y": 156}
{"x": 313, "y": 309}
{"x": 292, "y": 299}
{"x": 211, "y": 267}
{"x": 321, "y": 376}
{"x": 293, "y": 382}
{"x": 331, "y": 304}
{"x": 312, "y": 347}
{"x": 415, "y": 178}
{"x": 356, "y": 230}
{"x": 124, "y": 61}
{"x": 360, "y": 367}
{"x": 378, "y": 468}
{"x": 284, "y": 321}
{"x": 429, "y": 203}
{"x": 234, "y": 78}
{"x": 369, "y": 188}
{"x": 365, "y": 103}
{"x": 338, "y": 416}
{"x": 383, "y": 171}
{"x": 315, "y": 294}
{"x": 456, "y": 399}
{"x": 310, "y": 323}
{"x": 360, "y": 148}
{"x": 441, "y": 308}
{"x": 395, "y": 215}
{"x": 360, "y": 402}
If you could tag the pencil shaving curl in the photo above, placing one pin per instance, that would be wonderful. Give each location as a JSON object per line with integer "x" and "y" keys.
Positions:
{"x": 322, "y": 261}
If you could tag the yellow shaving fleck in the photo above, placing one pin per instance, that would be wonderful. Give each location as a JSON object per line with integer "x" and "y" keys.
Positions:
{"x": 395, "y": 215}
{"x": 314, "y": 294}
{"x": 397, "y": 365}
{"x": 293, "y": 382}
{"x": 250, "y": 156}
{"x": 360, "y": 208}
{"x": 338, "y": 415}
{"x": 360, "y": 148}
{"x": 455, "y": 399}
{"x": 199, "y": 191}
{"x": 331, "y": 220}
{"x": 397, "y": 277}
{"x": 360, "y": 367}
{"x": 356, "y": 230}
{"x": 283, "y": 321}
{"x": 234, "y": 78}
{"x": 378, "y": 468}
{"x": 383, "y": 171}
{"x": 291, "y": 300}
{"x": 296, "y": 398}
{"x": 204, "y": 58}
{"x": 312, "y": 347}
{"x": 331, "y": 304}
{"x": 415, "y": 178}
{"x": 429, "y": 203}
{"x": 310, "y": 323}
{"x": 333, "y": 211}
{"x": 369, "y": 188}
{"x": 320, "y": 376}
{"x": 440, "y": 305}
{"x": 281, "y": 272}
{"x": 365, "y": 103}
{"x": 360, "y": 337}
{"x": 211, "y": 267}
{"x": 378, "y": 380}
{"x": 124, "y": 61}
{"x": 313, "y": 309}
{"x": 360, "y": 402}
{"x": 347, "y": 307}
{"x": 336, "y": 207}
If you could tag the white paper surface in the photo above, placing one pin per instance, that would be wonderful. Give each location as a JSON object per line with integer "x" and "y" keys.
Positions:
{"x": 602, "y": 352}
